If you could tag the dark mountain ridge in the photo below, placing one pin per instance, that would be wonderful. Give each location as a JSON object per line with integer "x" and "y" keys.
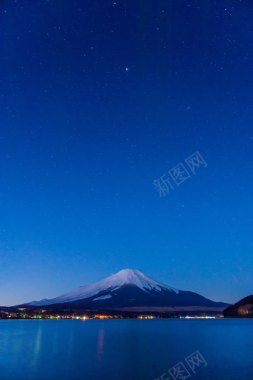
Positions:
{"x": 242, "y": 309}
{"x": 129, "y": 290}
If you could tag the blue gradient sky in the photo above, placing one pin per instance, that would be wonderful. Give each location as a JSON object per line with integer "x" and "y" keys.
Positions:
{"x": 98, "y": 99}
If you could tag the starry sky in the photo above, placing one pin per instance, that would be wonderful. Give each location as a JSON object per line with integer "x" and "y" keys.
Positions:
{"x": 99, "y": 99}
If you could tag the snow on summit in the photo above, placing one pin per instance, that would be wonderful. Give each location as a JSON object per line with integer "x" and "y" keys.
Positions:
{"x": 130, "y": 277}
{"x": 137, "y": 278}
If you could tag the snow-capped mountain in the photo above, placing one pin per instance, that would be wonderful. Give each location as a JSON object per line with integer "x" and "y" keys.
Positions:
{"x": 125, "y": 277}
{"x": 128, "y": 289}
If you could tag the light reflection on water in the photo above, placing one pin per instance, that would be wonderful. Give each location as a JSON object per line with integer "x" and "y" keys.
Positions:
{"x": 37, "y": 346}
{"x": 123, "y": 349}
{"x": 100, "y": 350}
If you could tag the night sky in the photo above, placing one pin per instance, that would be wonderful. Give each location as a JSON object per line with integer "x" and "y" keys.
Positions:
{"x": 98, "y": 99}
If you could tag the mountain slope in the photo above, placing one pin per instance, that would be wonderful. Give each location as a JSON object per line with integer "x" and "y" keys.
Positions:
{"x": 243, "y": 308}
{"x": 128, "y": 289}
{"x": 125, "y": 277}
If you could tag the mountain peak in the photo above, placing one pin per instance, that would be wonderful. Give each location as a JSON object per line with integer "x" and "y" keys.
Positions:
{"x": 129, "y": 270}
{"x": 128, "y": 288}
{"x": 135, "y": 278}
{"x": 129, "y": 274}
{"x": 125, "y": 277}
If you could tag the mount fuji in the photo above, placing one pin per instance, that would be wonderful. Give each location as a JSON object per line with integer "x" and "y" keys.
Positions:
{"x": 130, "y": 290}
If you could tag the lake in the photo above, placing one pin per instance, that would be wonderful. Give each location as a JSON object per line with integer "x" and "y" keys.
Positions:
{"x": 220, "y": 349}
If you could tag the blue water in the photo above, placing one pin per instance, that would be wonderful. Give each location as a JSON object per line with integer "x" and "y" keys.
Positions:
{"x": 124, "y": 349}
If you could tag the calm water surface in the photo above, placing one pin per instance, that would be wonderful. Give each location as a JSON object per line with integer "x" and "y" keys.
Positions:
{"x": 124, "y": 349}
